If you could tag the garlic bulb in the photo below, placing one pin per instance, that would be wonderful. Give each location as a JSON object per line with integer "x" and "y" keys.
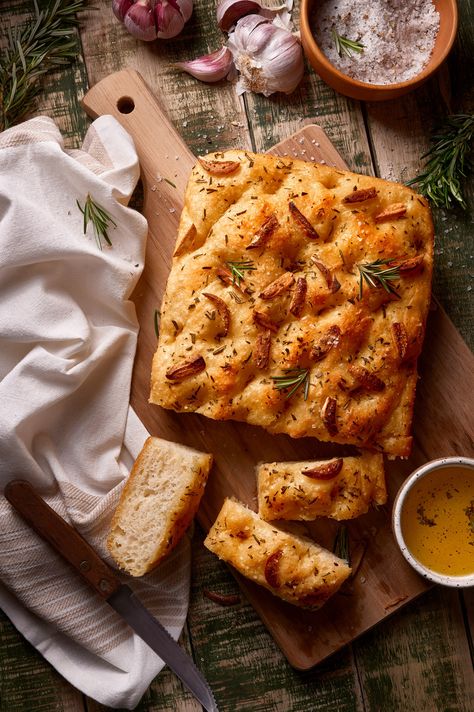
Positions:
{"x": 268, "y": 57}
{"x": 211, "y": 67}
{"x": 149, "y": 19}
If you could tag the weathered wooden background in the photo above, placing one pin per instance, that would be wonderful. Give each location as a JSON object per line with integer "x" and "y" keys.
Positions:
{"x": 421, "y": 658}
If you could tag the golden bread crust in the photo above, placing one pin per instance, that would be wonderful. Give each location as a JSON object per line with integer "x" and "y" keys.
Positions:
{"x": 341, "y": 488}
{"x": 302, "y": 230}
{"x": 291, "y": 567}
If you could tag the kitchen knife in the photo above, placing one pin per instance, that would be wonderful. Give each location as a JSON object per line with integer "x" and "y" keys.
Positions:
{"x": 69, "y": 543}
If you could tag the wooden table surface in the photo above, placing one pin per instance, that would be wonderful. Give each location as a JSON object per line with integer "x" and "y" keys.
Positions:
{"x": 422, "y": 657}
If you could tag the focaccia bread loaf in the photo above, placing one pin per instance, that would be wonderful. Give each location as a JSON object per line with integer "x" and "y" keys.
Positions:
{"x": 157, "y": 504}
{"x": 341, "y": 488}
{"x": 267, "y": 317}
{"x": 291, "y": 567}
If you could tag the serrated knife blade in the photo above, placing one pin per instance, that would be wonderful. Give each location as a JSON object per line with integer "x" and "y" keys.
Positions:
{"x": 69, "y": 543}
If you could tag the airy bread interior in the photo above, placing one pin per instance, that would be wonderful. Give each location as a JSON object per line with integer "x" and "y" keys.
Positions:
{"x": 157, "y": 504}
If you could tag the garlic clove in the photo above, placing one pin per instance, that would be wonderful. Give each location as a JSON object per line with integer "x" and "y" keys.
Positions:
{"x": 186, "y": 8}
{"x": 210, "y": 67}
{"x": 140, "y": 22}
{"x": 229, "y": 11}
{"x": 168, "y": 17}
{"x": 120, "y": 8}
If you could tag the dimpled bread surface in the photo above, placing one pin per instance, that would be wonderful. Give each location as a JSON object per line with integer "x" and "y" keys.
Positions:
{"x": 297, "y": 234}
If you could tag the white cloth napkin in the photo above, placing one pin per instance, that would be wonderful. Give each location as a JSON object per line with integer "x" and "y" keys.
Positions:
{"x": 67, "y": 341}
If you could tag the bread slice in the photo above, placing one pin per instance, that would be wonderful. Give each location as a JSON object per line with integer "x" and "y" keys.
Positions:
{"x": 157, "y": 504}
{"x": 341, "y": 488}
{"x": 292, "y": 567}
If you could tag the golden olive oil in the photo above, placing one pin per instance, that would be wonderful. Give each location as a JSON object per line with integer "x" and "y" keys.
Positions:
{"x": 437, "y": 520}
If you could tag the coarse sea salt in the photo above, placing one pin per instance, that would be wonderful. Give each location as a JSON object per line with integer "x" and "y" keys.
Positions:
{"x": 398, "y": 37}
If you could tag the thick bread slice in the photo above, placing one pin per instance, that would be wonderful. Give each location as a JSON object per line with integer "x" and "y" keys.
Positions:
{"x": 157, "y": 504}
{"x": 341, "y": 488}
{"x": 291, "y": 567}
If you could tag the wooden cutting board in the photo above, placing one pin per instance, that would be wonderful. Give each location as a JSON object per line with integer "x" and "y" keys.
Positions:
{"x": 443, "y": 423}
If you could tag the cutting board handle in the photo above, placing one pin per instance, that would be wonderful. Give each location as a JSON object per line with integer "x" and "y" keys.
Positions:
{"x": 127, "y": 98}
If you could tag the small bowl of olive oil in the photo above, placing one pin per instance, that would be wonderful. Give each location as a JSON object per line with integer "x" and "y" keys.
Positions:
{"x": 433, "y": 521}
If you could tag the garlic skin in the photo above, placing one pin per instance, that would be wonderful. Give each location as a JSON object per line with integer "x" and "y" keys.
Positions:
{"x": 268, "y": 57}
{"x": 210, "y": 67}
{"x": 140, "y": 22}
{"x": 229, "y": 11}
{"x": 120, "y": 8}
{"x": 151, "y": 19}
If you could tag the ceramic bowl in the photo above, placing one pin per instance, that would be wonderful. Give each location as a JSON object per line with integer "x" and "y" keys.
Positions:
{"x": 378, "y": 92}
{"x": 427, "y": 470}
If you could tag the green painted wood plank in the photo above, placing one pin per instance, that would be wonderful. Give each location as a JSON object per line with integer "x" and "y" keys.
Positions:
{"x": 27, "y": 681}
{"x": 60, "y": 90}
{"x": 419, "y": 659}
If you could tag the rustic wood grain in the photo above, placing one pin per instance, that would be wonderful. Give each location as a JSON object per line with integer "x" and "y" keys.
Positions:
{"x": 211, "y": 117}
{"x": 426, "y": 660}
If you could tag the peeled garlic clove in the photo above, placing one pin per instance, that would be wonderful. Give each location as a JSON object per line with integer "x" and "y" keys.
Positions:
{"x": 120, "y": 8}
{"x": 210, "y": 67}
{"x": 229, "y": 11}
{"x": 168, "y": 17}
{"x": 140, "y": 22}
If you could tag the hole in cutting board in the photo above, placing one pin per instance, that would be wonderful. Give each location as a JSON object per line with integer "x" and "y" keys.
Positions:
{"x": 125, "y": 105}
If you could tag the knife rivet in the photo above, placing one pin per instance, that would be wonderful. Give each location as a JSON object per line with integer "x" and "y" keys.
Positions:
{"x": 84, "y": 565}
{"x": 104, "y": 585}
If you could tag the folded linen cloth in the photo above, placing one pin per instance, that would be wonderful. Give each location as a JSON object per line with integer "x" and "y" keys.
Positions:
{"x": 67, "y": 341}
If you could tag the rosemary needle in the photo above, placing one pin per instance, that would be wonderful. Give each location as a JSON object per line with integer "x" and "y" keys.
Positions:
{"x": 238, "y": 270}
{"x": 341, "y": 543}
{"x": 346, "y": 46}
{"x": 293, "y": 379}
{"x": 448, "y": 162}
{"x": 100, "y": 219}
{"x": 380, "y": 273}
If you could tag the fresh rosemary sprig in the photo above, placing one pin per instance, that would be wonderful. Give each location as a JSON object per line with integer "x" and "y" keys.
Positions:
{"x": 99, "y": 217}
{"x": 448, "y": 163}
{"x": 47, "y": 41}
{"x": 346, "y": 46}
{"x": 341, "y": 543}
{"x": 380, "y": 273}
{"x": 238, "y": 270}
{"x": 293, "y": 379}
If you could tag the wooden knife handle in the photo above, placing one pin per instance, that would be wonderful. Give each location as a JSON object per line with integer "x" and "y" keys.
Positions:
{"x": 62, "y": 537}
